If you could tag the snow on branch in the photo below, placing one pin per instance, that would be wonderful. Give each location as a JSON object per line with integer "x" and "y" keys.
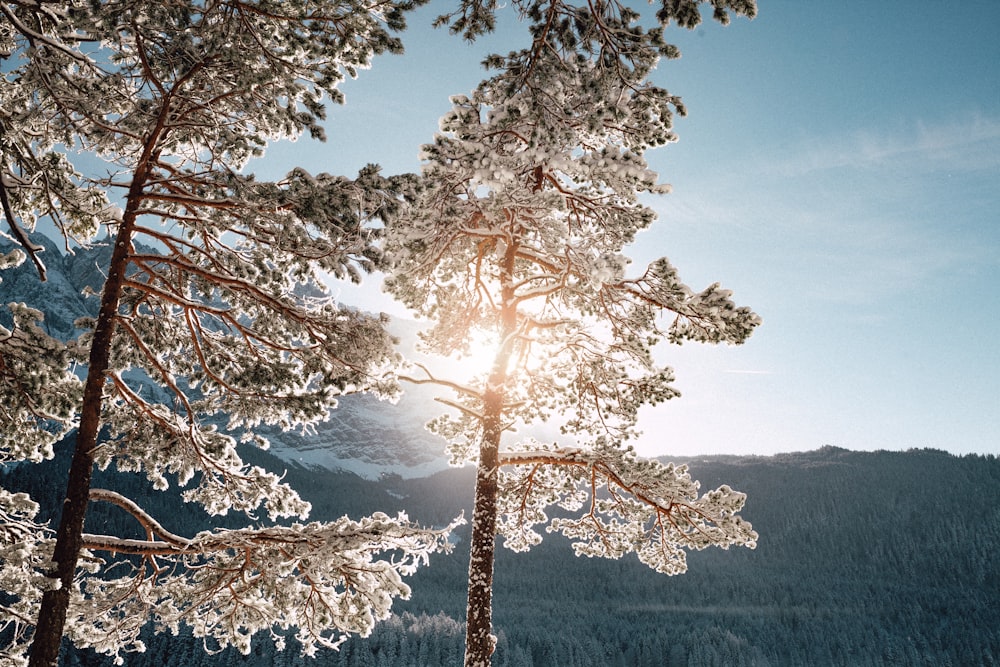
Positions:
{"x": 37, "y": 391}
{"x": 710, "y": 316}
{"x": 327, "y": 580}
{"x": 25, "y": 547}
{"x": 149, "y": 524}
{"x": 625, "y": 504}
{"x": 32, "y": 249}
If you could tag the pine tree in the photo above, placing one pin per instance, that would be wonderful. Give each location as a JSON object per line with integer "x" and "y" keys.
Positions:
{"x": 531, "y": 194}
{"x": 213, "y": 318}
{"x": 531, "y": 197}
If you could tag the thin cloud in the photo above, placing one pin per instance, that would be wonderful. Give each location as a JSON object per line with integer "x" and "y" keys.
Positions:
{"x": 966, "y": 145}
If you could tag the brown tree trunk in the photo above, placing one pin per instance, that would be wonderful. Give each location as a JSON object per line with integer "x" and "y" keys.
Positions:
{"x": 55, "y": 602}
{"x": 479, "y": 639}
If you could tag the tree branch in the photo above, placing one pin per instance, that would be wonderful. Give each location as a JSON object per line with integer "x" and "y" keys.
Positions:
{"x": 151, "y": 525}
{"x": 19, "y": 234}
{"x": 430, "y": 379}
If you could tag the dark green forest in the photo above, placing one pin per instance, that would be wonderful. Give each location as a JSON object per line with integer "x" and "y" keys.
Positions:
{"x": 865, "y": 558}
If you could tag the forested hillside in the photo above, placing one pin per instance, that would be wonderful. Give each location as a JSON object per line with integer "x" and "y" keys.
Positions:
{"x": 864, "y": 559}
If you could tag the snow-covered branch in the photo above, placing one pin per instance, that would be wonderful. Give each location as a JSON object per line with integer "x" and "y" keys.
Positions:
{"x": 327, "y": 580}
{"x": 149, "y": 524}
{"x": 38, "y": 390}
{"x": 646, "y": 507}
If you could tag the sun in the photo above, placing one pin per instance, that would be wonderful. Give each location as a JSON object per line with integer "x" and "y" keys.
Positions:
{"x": 482, "y": 351}
{"x": 481, "y": 354}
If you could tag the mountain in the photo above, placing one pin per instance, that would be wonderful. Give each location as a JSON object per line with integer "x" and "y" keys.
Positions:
{"x": 865, "y": 558}
{"x": 362, "y": 435}
{"x": 367, "y": 437}
{"x": 61, "y": 297}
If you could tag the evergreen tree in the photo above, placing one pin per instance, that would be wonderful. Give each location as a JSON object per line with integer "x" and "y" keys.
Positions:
{"x": 213, "y": 315}
{"x": 531, "y": 195}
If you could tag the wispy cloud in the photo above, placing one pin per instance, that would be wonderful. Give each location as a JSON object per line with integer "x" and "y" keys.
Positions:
{"x": 869, "y": 217}
{"x": 967, "y": 144}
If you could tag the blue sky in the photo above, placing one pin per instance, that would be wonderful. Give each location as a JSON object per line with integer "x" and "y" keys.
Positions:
{"x": 839, "y": 170}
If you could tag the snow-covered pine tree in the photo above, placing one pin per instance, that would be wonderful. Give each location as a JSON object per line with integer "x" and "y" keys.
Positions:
{"x": 224, "y": 325}
{"x": 531, "y": 195}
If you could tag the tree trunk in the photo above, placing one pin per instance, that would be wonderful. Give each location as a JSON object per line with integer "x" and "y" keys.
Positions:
{"x": 479, "y": 639}
{"x": 55, "y": 602}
